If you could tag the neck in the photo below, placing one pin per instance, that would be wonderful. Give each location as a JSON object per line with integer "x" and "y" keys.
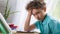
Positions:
{"x": 43, "y": 17}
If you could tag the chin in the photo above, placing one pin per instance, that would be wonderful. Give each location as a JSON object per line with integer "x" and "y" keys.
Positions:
{"x": 38, "y": 19}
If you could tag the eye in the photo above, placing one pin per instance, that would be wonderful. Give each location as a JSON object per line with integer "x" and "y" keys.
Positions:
{"x": 37, "y": 13}
{"x": 34, "y": 14}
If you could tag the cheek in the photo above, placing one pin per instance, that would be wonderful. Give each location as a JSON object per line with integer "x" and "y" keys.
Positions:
{"x": 40, "y": 15}
{"x": 36, "y": 16}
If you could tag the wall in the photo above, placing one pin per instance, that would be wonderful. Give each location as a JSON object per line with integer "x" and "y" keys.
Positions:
{"x": 12, "y": 4}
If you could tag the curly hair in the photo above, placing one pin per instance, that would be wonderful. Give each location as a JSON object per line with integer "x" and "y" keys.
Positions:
{"x": 35, "y": 5}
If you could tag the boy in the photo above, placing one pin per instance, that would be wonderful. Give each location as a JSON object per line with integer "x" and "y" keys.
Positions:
{"x": 46, "y": 24}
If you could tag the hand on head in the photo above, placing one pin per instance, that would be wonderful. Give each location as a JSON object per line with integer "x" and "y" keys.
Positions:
{"x": 30, "y": 12}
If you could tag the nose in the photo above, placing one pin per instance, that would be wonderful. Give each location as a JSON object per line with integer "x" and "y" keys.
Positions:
{"x": 37, "y": 16}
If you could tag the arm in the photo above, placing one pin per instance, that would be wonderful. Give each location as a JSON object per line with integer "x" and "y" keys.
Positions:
{"x": 27, "y": 26}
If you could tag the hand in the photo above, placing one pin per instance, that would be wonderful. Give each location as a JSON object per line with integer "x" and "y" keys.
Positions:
{"x": 30, "y": 12}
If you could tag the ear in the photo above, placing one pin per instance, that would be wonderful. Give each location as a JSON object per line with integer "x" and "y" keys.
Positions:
{"x": 44, "y": 9}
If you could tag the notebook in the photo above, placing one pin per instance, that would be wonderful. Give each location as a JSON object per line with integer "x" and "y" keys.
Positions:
{"x": 4, "y": 25}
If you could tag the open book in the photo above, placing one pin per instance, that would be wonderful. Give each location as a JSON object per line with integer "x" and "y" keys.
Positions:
{"x": 4, "y": 27}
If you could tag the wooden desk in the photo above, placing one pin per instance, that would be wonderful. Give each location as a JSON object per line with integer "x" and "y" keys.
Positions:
{"x": 25, "y": 33}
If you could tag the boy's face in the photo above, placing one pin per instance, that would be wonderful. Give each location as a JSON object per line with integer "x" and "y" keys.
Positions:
{"x": 38, "y": 13}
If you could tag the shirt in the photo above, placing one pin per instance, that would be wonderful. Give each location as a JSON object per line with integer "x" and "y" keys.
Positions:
{"x": 48, "y": 26}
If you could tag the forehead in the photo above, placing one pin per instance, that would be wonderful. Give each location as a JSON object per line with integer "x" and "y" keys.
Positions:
{"x": 36, "y": 10}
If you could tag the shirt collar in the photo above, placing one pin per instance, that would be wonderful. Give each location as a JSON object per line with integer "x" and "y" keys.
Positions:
{"x": 45, "y": 19}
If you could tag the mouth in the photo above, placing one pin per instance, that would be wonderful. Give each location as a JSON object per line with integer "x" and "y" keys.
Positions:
{"x": 38, "y": 18}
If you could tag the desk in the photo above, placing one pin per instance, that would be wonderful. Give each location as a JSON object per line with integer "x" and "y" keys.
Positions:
{"x": 25, "y": 33}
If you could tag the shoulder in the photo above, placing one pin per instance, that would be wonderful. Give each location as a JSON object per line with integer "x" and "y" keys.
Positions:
{"x": 52, "y": 19}
{"x": 53, "y": 22}
{"x": 54, "y": 25}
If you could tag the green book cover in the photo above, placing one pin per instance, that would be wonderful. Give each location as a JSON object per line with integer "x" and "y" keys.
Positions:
{"x": 4, "y": 27}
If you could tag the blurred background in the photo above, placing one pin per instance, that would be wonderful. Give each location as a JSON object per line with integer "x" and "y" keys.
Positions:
{"x": 18, "y": 18}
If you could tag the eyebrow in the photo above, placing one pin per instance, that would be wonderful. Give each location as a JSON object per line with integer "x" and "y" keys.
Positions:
{"x": 36, "y": 13}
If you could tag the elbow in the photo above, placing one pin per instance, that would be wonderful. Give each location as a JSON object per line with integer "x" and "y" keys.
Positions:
{"x": 26, "y": 29}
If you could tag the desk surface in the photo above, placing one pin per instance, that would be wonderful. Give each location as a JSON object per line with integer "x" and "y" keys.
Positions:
{"x": 20, "y": 32}
{"x": 24, "y": 33}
